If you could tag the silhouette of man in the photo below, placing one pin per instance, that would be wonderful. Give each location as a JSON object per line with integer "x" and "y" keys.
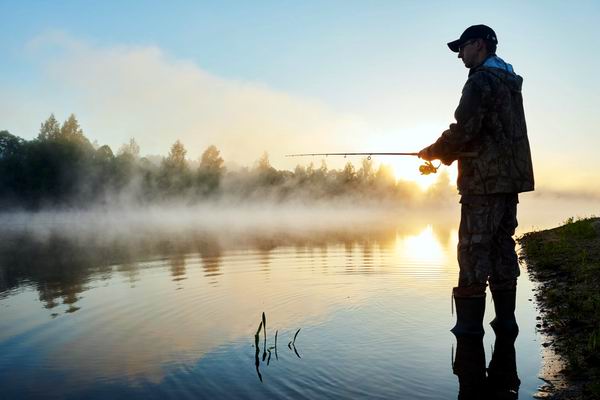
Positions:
{"x": 490, "y": 122}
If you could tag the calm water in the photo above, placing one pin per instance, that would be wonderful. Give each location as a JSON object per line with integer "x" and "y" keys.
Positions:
{"x": 174, "y": 315}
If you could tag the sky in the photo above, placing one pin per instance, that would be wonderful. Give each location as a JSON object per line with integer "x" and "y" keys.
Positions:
{"x": 298, "y": 76}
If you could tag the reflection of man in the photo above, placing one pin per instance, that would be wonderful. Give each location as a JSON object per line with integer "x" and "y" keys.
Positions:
{"x": 490, "y": 122}
{"x": 501, "y": 381}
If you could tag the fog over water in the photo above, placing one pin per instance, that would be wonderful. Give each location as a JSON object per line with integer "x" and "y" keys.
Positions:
{"x": 536, "y": 211}
{"x": 159, "y": 301}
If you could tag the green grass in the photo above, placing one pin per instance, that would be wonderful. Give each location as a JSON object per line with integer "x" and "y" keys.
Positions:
{"x": 567, "y": 260}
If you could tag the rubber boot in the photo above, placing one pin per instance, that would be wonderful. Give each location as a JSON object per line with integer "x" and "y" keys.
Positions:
{"x": 504, "y": 304}
{"x": 469, "y": 316}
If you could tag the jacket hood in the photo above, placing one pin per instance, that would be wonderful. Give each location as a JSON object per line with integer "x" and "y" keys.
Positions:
{"x": 504, "y": 71}
{"x": 496, "y": 62}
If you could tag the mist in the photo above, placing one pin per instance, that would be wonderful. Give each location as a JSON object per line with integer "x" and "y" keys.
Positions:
{"x": 63, "y": 169}
{"x": 60, "y": 184}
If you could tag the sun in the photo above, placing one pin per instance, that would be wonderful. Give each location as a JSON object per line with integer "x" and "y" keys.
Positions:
{"x": 408, "y": 170}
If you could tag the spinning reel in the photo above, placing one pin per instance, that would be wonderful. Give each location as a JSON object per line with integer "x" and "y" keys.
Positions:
{"x": 428, "y": 168}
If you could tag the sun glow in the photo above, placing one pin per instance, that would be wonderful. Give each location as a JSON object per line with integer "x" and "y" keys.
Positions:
{"x": 422, "y": 248}
{"x": 409, "y": 171}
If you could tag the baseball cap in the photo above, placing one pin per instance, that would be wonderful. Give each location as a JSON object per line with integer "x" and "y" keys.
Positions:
{"x": 474, "y": 32}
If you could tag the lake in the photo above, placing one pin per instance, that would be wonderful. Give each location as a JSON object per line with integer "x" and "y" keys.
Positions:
{"x": 110, "y": 305}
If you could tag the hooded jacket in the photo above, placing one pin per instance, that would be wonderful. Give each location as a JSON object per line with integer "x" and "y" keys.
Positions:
{"x": 490, "y": 121}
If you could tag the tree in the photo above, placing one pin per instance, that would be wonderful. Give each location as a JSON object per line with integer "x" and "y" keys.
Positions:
{"x": 365, "y": 173}
{"x": 267, "y": 175}
{"x": 10, "y": 145}
{"x": 210, "y": 171}
{"x": 125, "y": 162}
{"x": 211, "y": 161}
{"x": 104, "y": 153}
{"x": 300, "y": 173}
{"x": 263, "y": 164}
{"x": 131, "y": 148}
{"x": 12, "y": 149}
{"x": 348, "y": 174}
{"x": 175, "y": 175}
{"x": 70, "y": 129}
{"x": 176, "y": 157}
{"x": 69, "y": 132}
{"x": 50, "y": 129}
{"x": 100, "y": 174}
{"x": 317, "y": 174}
{"x": 61, "y": 164}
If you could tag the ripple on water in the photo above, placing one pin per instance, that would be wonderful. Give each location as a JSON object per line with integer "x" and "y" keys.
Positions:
{"x": 374, "y": 324}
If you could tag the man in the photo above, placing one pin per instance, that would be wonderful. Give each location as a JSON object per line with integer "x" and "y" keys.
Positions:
{"x": 490, "y": 122}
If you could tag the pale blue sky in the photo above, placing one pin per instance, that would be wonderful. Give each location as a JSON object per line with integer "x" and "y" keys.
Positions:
{"x": 375, "y": 74}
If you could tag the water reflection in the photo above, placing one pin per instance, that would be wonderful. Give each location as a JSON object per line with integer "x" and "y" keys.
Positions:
{"x": 423, "y": 245}
{"x": 211, "y": 253}
{"x": 131, "y": 272}
{"x": 499, "y": 382}
{"x": 58, "y": 271}
{"x": 175, "y": 313}
{"x": 269, "y": 349}
{"x": 61, "y": 267}
{"x": 177, "y": 262}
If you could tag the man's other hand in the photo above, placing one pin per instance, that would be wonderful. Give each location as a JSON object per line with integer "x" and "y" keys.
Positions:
{"x": 425, "y": 154}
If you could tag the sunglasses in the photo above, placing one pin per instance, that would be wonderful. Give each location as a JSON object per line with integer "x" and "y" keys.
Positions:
{"x": 462, "y": 46}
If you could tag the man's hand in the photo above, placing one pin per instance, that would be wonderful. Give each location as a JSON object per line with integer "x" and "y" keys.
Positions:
{"x": 425, "y": 154}
{"x": 447, "y": 161}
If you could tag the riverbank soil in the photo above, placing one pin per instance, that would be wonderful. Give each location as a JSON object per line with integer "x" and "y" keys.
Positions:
{"x": 566, "y": 263}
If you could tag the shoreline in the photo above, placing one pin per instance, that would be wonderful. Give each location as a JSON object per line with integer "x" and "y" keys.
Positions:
{"x": 564, "y": 262}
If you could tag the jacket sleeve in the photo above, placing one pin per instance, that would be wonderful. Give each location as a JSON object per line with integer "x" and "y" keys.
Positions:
{"x": 469, "y": 116}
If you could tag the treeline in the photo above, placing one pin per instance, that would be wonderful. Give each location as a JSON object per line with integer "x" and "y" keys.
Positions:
{"x": 61, "y": 167}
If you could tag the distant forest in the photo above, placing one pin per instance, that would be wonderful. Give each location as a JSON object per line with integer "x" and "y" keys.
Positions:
{"x": 63, "y": 168}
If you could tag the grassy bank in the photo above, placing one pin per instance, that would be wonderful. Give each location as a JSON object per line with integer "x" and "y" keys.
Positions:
{"x": 566, "y": 261}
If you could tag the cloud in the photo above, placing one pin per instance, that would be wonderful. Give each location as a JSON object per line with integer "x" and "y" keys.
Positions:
{"x": 123, "y": 91}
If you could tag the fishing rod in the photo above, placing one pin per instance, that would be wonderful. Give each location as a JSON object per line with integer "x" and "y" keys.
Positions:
{"x": 425, "y": 169}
